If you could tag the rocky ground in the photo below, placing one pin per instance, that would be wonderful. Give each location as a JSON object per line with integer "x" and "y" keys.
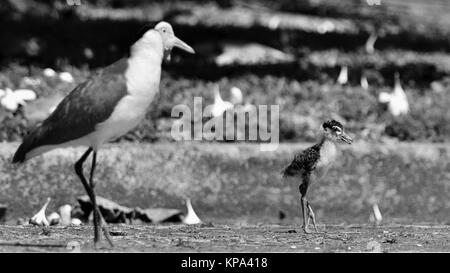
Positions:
{"x": 229, "y": 238}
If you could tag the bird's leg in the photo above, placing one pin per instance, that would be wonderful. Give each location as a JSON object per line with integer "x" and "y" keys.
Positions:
{"x": 305, "y": 216}
{"x": 312, "y": 216}
{"x": 95, "y": 210}
{"x": 99, "y": 222}
{"x": 89, "y": 191}
{"x": 303, "y": 188}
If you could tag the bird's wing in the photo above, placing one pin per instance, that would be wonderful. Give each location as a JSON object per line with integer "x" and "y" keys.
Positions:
{"x": 89, "y": 104}
{"x": 305, "y": 161}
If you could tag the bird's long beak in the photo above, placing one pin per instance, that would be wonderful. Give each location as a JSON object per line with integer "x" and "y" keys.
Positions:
{"x": 182, "y": 45}
{"x": 346, "y": 138}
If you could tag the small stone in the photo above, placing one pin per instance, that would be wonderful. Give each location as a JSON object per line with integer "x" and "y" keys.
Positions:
{"x": 75, "y": 222}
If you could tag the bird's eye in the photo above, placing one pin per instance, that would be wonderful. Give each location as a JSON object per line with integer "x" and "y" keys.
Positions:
{"x": 337, "y": 129}
{"x": 164, "y": 30}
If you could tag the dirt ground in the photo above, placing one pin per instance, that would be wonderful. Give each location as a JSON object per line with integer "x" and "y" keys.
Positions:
{"x": 229, "y": 238}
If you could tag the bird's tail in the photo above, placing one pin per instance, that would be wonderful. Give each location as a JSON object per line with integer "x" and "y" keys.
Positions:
{"x": 288, "y": 171}
{"x": 29, "y": 143}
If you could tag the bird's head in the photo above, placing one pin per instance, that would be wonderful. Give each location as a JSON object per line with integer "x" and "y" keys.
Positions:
{"x": 333, "y": 130}
{"x": 160, "y": 38}
{"x": 170, "y": 40}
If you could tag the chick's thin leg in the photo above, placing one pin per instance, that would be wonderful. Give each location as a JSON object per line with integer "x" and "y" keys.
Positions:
{"x": 303, "y": 189}
{"x": 312, "y": 216}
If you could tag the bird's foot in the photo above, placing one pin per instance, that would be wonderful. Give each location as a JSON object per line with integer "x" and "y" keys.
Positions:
{"x": 107, "y": 236}
{"x": 104, "y": 228}
{"x": 306, "y": 230}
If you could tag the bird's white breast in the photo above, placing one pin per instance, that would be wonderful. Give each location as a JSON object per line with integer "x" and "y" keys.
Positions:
{"x": 328, "y": 154}
{"x": 143, "y": 77}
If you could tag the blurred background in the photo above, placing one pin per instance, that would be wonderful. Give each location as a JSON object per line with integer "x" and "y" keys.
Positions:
{"x": 317, "y": 59}
{"x": 289, "y": 53}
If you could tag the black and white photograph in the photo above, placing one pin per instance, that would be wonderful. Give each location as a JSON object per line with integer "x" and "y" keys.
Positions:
{"x": 237, "y": 127}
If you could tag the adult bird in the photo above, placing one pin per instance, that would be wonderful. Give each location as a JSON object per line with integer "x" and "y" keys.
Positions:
{"x": 312, "y": 164}
{"x": 105, "y": 107}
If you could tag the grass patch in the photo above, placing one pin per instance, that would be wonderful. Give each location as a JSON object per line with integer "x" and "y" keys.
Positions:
{"x": 408, "y": 181}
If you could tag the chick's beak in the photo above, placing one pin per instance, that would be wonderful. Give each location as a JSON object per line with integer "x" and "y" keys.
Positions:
{"x": 182, "y": 45}
{"x": 346, "y": 138}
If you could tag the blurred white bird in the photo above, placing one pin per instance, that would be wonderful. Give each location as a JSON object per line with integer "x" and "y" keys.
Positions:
{"x": 274, "y": 22}
{"x": 66, "y": 77}
{"x": 54, "y": 218}
{"x": 325, "y": 27}
{"x": 236, "y": 95}
{"x": 11, "y": 100}
{"x": 48, "y": 72}
{"x": 8, "y": 100}
{"x": 25, "y": 94}
{"x": 219, "y": 105}
{"x": 39, "y": 218}
{"x": 65, "y": 212}
{"x": 364, "y": 82}
{"x": 251, "y": 53}
{"x": 397, "y": 100}
{"x": 375, "y": 216}
{"x": 370, "y": 43}
{"x": 343, "y": 75}
{"x": 191, "y": 217}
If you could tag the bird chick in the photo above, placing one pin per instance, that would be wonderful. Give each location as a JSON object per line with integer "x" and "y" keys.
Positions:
{"x": 39, "y": 218}
{"x": 312, "y": 164}
{"x": 191, "y": 217}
